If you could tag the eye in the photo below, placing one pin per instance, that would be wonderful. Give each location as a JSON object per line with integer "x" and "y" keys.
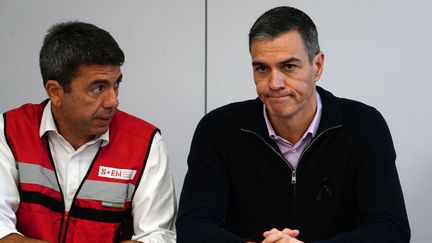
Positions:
{"x": 289, "y": 66}
{"x": 98, "y": 89}
{"x": 260, "y": 68}
{"x": 117, "y": 85}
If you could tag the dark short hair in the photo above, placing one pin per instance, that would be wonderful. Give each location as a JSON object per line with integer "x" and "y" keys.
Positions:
{"x": 70, "y": 44}
{"x": 281, "y": 20}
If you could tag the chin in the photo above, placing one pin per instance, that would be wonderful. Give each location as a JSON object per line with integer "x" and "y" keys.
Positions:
{"x": 280, "y": 113}
{"x": 101, "y": 131}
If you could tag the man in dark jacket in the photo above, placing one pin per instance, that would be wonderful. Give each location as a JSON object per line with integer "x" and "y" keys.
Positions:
{"x": 296, "y": 164}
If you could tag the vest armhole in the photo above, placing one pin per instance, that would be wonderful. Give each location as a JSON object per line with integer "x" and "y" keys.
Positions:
{"x": 156, "y": 130}
{"x": 5, "y": 134}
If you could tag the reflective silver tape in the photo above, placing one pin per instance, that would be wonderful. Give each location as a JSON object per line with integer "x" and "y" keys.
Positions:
{"x": 36, "y": 174}
{"x": 94, "y": 190}
{"x": 107, "y": 191}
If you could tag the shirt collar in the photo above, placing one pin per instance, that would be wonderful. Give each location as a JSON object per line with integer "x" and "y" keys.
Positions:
{"x": 48, "y": 125}
{"x": 313, "y": 127}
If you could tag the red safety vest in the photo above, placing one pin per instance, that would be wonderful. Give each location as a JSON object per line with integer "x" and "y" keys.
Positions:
{"x": 101, "y": 209}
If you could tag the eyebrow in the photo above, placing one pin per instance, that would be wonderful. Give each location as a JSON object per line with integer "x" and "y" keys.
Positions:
{"x": 289, "y": 60}
{"x": 120, "y": 78}
{"x": 255, "y": 63}
{"x": 104, "y": 81}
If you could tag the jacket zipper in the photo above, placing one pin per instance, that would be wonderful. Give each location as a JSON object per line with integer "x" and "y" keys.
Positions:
{"x": 294, "y": 172}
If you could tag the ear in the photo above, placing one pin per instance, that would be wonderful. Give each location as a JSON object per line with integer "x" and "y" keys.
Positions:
{"x": 318, "y": 64}
{"x": 55, "y": 92}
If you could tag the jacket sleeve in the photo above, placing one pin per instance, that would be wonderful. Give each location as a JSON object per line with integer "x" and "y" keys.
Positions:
{"x": 206, "y": 191}
{"x": 381, "y": 209}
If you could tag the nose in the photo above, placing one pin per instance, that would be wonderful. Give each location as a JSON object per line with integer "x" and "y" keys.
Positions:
{"x": 111, "y": 99}
{"x": 277, "y": 80}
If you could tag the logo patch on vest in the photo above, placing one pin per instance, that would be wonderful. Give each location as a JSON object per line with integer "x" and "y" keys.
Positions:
{"x": 115, "y": 173}
{"x": 113, "y": 204}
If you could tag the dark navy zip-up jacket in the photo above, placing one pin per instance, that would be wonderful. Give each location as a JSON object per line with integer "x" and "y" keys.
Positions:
{"x": 345, "y": 189}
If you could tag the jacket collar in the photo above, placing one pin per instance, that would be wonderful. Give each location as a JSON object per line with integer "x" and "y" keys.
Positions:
{"x": 331, "y": 111}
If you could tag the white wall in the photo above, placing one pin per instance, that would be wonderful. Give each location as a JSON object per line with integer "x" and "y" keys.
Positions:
{"x": 377, "y": 52}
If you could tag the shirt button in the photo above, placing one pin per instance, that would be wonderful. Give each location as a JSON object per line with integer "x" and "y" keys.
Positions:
{"x": 294, "y": 150}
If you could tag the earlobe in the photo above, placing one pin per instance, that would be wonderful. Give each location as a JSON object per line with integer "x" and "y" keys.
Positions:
{"x": 54, "y": 91}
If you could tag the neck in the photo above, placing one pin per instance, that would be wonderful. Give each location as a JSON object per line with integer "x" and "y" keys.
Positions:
{"x": 291, "y": 131}
{"x": 69, "y": 133}
{"x": 77, "y": 142}
{"x": 292, "y": 128}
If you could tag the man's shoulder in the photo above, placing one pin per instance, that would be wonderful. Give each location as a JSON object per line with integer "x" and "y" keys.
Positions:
{"x": 355, "y": 108}
{"x": 358, "y": 115}
{"x": 28, "y": 108}
{"x": 352, "y": 114}
{"x": 235, "y": 108}
{"x": 126, "y": 122}
{"x": 234, "y": 111}
{"x": 28, "y": 114}
{"x": 349, "y": 107}
{"x": 231, "y": 116}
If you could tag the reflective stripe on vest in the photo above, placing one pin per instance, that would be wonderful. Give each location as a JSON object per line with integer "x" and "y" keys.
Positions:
{"x": 36, "y": 174}
{"x": 91, "y": 189}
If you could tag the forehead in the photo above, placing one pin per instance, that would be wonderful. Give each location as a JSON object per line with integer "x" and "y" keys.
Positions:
{"x": 94, "y": 71}
{"x": 287, "y": 44}
{"x": 98, "y": 69}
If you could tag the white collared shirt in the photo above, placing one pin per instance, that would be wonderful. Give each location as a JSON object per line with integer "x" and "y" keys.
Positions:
{"x": 154, "y": 205}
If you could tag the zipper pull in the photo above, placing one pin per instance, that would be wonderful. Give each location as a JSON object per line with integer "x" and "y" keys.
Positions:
{"x": 294, "y": 177}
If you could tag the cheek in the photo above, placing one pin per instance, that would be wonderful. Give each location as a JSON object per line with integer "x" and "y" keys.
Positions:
{"x": 305, "y": 90}
{"x": 259, "y": 77}
{"x": 305, "y": 81}
{"x": 260, "y": 86}
{"x": 69, "y": 106}
{"x": 92, "y": 109}
{"x": 83, "y": 108}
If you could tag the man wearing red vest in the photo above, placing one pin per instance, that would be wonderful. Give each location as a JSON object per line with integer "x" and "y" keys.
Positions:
{"x": 74, "y": 168}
